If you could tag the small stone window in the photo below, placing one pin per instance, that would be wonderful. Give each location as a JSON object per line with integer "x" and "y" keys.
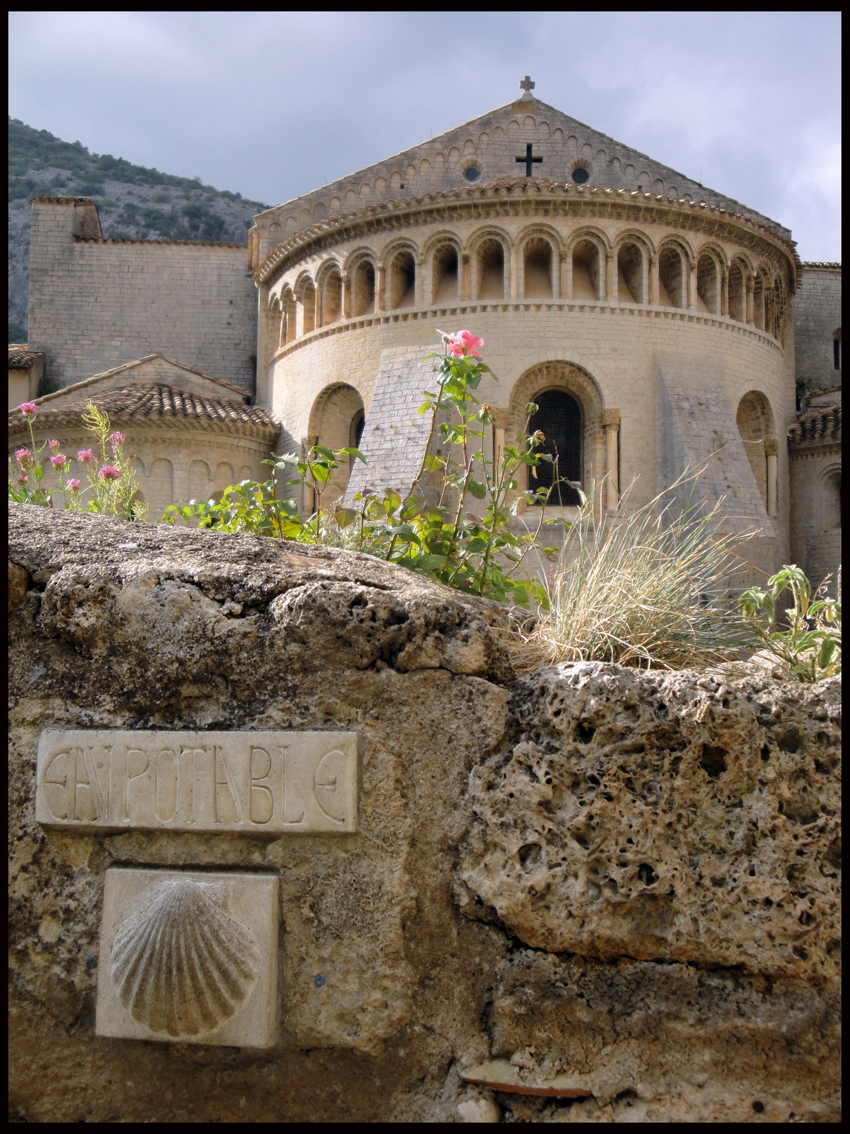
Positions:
{"x": 580, "y": 175}
{"x": 471, "y": 173}
{"x": 559, "y": 419}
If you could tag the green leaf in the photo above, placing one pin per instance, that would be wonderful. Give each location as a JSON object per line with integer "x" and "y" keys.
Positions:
{"x": 477, "y": 489}
{"x": 826, "y": 651}
{"x": 345, "y": 516}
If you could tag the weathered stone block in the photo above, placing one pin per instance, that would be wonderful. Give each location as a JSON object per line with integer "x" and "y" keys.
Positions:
{"x": 664, "y": 817}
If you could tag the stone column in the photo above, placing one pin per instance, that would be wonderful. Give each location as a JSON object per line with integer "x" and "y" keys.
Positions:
{"x": 418, "y": 285}
{"x": 562, "y": 276}
{"x": 771, "y": 448}
{"x": 513, "y": 273}
{"x": 466, "y": 281}
{"x": 692, "y": 287}
{"x": 750, "y": 284}
{"x": 568, "y": 293}
{"x": 317, "y": 308}
{"x": 653, "y": 279}
{"x": 644, "y": 280}
{"x": 556, "y": 277}
{"x": 724, "y": 294}
{"x": 610, "y": 278}
{"x": 382, "y": 300}
{"x": 345, "y": 297}
{"x": 611, "y": 424}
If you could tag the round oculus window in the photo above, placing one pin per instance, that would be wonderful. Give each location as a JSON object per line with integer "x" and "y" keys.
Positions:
{"x": 472, "y": 173}
{"x": 580, "y": 175}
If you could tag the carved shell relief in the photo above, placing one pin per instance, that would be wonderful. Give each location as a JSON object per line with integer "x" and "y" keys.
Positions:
{"x": 183, "y": 964}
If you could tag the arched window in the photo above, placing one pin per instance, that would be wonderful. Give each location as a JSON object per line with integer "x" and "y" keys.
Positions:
{"x": 585, "y": 270}
{"x": 831, "y": 503}
{"x": 491, "y": 269}
{"x": 308, "y": 299}
{"x": 737, "y": 294}
{"x": 364, "y": 289}
{"x": 630, "y": 273}
{"x": 445, "y": 274}
{"x": 558, "y": 417}
{"x": 332, "y": 298}
{"x": 671, "y": 278}
{"x": 538, "y": 269}
{"x": 753, "y": 419}
{"x": 337, "y": 420}
{"x": 402, "y": 281}
{"x": 708, "y": 284}
{"x": 758, "y": 302}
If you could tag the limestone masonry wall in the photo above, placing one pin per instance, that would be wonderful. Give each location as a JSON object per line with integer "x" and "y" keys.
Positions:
{"x": 96, "y": 304}
{"x": 817, "y": 321}
{"x": 589, "y": 894}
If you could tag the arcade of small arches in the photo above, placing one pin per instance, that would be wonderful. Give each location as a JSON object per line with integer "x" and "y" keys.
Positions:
{"x": 587, "y": 268}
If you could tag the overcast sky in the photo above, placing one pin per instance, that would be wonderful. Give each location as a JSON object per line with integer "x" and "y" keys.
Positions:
{"x": 273, "y": 105}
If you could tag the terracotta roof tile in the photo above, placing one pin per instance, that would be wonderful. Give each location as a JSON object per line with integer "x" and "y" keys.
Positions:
{"x": 818, "y": 426}
{"x": 21, "y": 358}
{"x": 157, "y": 403}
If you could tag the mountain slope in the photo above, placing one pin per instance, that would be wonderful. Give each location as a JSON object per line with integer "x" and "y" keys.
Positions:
{"x": 134, "y": 203}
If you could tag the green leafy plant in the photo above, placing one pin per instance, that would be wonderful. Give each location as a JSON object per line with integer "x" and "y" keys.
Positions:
{"x": 811, "y": 645}
{"x": 434, "y": 533}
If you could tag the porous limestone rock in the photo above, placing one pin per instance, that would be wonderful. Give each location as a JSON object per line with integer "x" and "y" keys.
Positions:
{"x": 387, "y": 992}
{"x": 664, "y": 816}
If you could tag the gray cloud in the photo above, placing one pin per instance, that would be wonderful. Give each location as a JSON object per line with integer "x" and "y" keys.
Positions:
{"x": 275, "y": 104}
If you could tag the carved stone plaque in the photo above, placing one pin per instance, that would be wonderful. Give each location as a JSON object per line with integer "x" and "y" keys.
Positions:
{"x": 257, "y": 782}
{"x": 188, "y": 957}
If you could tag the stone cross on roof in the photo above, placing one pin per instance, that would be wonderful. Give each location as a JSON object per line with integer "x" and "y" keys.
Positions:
{"x": 527, "y": 86}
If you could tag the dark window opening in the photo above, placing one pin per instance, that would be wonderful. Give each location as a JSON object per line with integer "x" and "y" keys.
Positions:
{"x": 580, "y": 175}
{"x": 471, "y": 173}
{"x": 558, "y": 418}
{"x": 836, "y": 354}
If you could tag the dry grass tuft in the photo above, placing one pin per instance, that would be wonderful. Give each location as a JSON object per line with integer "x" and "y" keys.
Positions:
{"x": 646, "y": 588}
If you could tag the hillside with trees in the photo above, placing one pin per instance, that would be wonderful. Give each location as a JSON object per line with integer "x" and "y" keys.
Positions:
{"x": 134, "y": 203}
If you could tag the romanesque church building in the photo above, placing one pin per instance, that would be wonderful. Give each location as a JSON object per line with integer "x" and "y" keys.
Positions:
{"x": 656, "y": 323}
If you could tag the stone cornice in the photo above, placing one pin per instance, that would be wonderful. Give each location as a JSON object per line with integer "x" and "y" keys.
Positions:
{"x": 539, "y": 198}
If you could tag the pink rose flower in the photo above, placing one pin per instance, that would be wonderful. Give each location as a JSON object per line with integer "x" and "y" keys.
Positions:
{"x": 54, "y": 445}
{"x": 23, "y": 457}
{"x": 109, "y": 472}
{"x": 86, "y": 456}
{"x": 28, "y": 409}
{"x": 464, "y": 345}
{"x": 73, "y": 486}
{"x": 59, "y": 461}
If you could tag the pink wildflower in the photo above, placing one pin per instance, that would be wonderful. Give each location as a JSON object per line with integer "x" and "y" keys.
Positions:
{"x": 28, "y": 409}
{"x": 54, "y": 445}
{"x": 86, "y": 456}
{"x": 116, "y": 440}
{"x": 109, "y": 472}
{"x": 23, "y": 478}
{"x": 59, "y": 461}
{"x": 23, "y": 457}
{"x": 464, "y": 345}
{"x": 73, "y": 486}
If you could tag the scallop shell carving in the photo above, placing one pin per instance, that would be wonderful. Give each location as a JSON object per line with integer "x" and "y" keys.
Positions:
{"x": 183, "y": 964}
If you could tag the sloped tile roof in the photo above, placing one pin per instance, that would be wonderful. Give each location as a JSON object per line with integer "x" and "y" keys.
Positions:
{"x": 158, "y": 404}
{"x": 818, "y": 426}
{"x": 21, "y": 358}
